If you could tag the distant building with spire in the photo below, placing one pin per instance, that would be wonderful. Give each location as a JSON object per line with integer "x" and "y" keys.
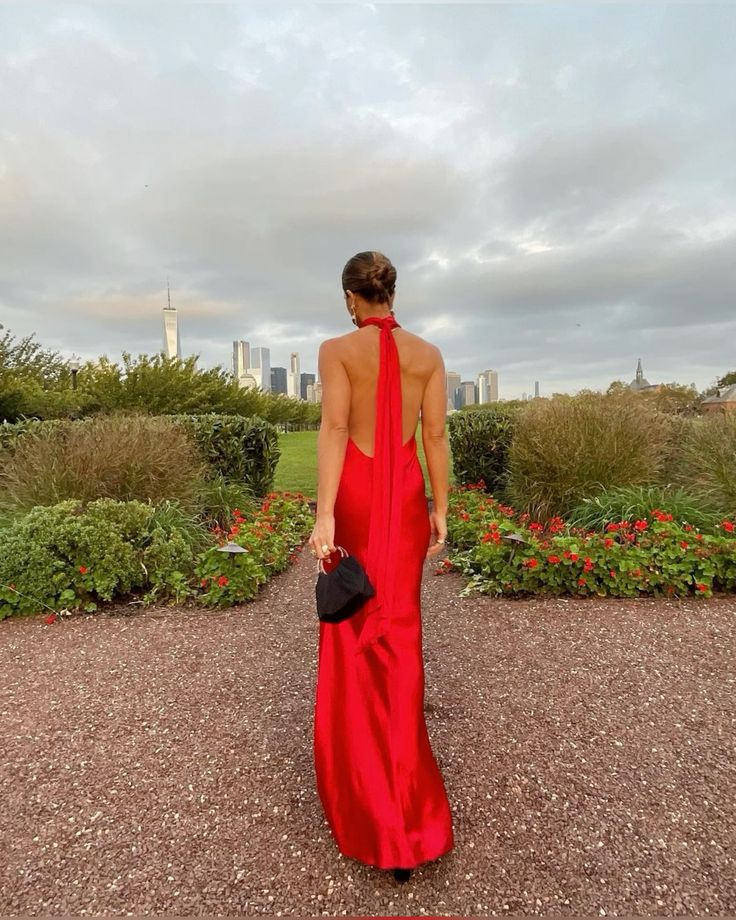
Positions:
{"x": 172, "y": 337}
{"x": 640, "y": 382}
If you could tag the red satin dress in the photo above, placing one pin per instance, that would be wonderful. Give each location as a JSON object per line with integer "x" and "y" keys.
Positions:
{"x": 380, "y": 786}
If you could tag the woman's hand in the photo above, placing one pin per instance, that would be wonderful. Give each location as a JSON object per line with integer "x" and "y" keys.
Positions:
{"x": 438, "y": 520}
{"x": 323, "y": 534}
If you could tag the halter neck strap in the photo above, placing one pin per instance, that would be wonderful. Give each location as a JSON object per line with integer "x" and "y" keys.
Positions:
{"x": 382, "y": 560}
{"x": 384, "y": 322}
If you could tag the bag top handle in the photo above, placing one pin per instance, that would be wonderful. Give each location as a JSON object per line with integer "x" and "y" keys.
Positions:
{"x": 321, "y": 562}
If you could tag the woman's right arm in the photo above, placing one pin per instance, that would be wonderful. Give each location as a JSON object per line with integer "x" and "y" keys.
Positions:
{"x": 437, "y": 449}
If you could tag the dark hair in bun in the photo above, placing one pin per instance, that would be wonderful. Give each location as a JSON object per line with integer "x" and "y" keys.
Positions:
{"x": 371, "y": 275}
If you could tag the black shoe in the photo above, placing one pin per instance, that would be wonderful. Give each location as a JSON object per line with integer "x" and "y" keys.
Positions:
{"x": 402, "y": 875}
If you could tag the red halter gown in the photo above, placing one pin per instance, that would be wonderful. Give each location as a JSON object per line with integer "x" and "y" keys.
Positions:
{"x": 380, "y": 786}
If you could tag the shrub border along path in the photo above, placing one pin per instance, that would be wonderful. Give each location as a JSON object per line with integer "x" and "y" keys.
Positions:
{"x": 160, "y": 761}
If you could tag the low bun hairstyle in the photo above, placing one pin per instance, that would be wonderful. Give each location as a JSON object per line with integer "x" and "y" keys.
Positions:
{"x": 371, "y": 275}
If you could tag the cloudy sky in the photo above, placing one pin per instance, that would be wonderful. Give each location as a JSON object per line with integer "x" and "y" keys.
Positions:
{"x": 556, "y": 184}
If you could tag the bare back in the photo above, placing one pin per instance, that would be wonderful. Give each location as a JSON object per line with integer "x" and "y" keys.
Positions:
{"x": 359, "y": 353}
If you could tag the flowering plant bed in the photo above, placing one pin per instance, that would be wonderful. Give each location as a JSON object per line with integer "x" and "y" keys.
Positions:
{"x": 71, "y": 556}
{"x": 271, "y": 539}
{"x": 503, "y": 552}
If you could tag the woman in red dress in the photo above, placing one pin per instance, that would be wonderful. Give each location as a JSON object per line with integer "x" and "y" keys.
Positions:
{"x": 380, "y": 786}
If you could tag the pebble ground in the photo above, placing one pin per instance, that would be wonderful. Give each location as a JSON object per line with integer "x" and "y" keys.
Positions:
{"x": 160, "y": 761}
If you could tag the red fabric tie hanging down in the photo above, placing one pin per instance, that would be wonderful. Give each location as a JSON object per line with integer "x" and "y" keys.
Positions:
{"x": 383, "y": 538}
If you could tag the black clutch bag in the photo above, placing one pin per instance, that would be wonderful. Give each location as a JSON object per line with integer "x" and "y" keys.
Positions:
{"x": 341, "y": 591}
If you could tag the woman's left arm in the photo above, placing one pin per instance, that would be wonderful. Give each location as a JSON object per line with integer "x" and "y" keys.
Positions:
{"x": 331, "y": 443}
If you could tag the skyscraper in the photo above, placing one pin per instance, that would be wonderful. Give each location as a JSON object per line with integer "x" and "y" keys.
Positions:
{"x": 172, "y": 339}
{"x": 293, "y": 383}
{"x": 453, "y": 382}
{"x": 466, "y": 393}
{"x": 278, "y": 380}
{"x": 260, "y": 367}
{"x": 241, "y": 358}
{"x": 488, "y": 386}
{"x": 307, "y": 380}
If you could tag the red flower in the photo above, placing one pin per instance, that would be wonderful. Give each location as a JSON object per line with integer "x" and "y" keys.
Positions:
{"x": 612, "y": 528}
{"x": 687, "y": 527}
{"x": 222, "y": 580}
{"x": 612, "y": 573}
{"x": 702, "y": 587}
{"x": 588, "y": 567}
{"x": 582, "y": 581}
{"x": 204, "y": 582}
{"x": 235, "y": 530}
{"x": 574, "y": 557}
{"x": 464, "y": 515}
{"x": 530, "y": 563}
{"x": 51, "y": 618}
{"x": 641, "y": 525}
{"x": 728, "y": 526}
{"x": 536, "y": 528}
{"x": 636, "y": 573}
{"x": 553, "y": 559}
{"x": 608, "y": 542}
{"x": 83, "y": 569}
{"x": 556, "y": 525}
{"x": 684, "y": 544}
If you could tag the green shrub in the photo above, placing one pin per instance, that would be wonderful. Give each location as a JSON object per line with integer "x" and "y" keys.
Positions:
{"x": 71, "y": 556}
{"x": 243, "y": 450}
{"x": 707, "y": 459}
{"x": 124, "y": 457}
{"x": 569, "y": 448}
{"x": 11, "y": 432}
{"x": 631, "y": 503}
{"x": 480, "y": 441}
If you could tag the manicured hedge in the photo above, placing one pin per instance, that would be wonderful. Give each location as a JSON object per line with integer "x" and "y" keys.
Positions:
{"x": 244, "y": 450}
{"x": 480, "y": 441}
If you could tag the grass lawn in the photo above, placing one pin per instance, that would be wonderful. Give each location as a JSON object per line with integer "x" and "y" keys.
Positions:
{"x": 297, "y": 467}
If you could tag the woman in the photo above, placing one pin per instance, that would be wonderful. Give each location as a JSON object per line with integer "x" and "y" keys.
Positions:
{"x": 381, "y": 789}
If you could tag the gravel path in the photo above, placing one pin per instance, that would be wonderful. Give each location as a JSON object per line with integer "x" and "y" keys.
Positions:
{"x": 161, "y": 761}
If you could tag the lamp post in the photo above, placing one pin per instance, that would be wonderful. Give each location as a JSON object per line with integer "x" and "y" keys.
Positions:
{"x": 74, "y": 366}
{"x": 232, "y": 549}
{"x": 515, "y": 539}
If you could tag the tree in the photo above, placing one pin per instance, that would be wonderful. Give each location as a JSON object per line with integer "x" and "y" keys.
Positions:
{"x": 27, "y": 360}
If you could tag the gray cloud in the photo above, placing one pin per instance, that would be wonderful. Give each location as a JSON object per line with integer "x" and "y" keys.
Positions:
{"x": 555, "y": 183}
